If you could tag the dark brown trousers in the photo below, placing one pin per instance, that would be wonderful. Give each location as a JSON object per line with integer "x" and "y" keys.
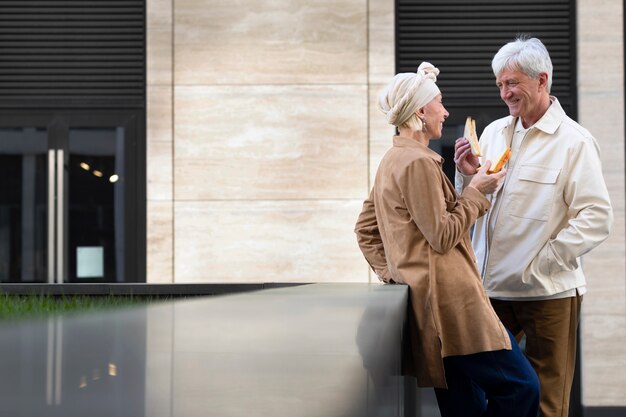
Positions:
{"x": 550, "y": 327}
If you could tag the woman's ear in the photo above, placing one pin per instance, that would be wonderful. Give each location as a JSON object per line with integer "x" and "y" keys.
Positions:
{"x": 420, "y": 113}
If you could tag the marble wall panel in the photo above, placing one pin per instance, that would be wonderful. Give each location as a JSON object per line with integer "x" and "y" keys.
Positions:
{"x": 159, "y": 167}
{"x": 603, "y": 358}
{"x": 159, "y": 34}
{"x": 268, "y": 241}
{"x": 601, "y": 110}
{"x": 159, "y": 143}
{"x": 604, "y": 268}
{"x": 600, "y": 18}
{"x": 160, "y": 114}
{"x": 600, "y": 69}
{"x": 381, "y": 132}
{"x": 159, "y": 13}
{"x": 270, "y": 142}
{"x": 159, "y": 62}
{"x": 160, "y": 242}
{"x": 382, "y": 54}
{"x": 381, "y": 66}
{"x": 270, "y": 42}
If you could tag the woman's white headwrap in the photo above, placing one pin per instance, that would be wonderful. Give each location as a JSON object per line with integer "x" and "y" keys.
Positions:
{"x": 408, "y": 92}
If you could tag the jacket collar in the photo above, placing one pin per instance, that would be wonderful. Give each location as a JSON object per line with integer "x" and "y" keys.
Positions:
{"x": 404, "y": 142}
{"x": 549, "y": 122}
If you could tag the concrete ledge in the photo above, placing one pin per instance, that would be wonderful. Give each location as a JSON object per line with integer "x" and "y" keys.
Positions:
{"x": 303, "y": 351}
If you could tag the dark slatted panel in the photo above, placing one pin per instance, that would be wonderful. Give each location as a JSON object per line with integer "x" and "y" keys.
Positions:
{"x": 461, "y": 37}
{"x": 54, "y": 53}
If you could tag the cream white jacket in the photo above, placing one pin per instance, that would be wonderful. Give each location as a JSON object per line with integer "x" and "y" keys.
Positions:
{"x": 555, "y": 207}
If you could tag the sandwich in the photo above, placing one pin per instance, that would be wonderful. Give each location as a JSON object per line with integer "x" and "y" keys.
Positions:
{"x": 471, "y": 136}
{"x": 499, "y": 164}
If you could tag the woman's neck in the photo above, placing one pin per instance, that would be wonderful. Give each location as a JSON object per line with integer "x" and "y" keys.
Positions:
{"x": 418, "y": 136}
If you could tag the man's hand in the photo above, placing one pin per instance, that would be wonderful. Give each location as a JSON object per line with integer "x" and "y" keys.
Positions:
{"x": 466, "y": 162}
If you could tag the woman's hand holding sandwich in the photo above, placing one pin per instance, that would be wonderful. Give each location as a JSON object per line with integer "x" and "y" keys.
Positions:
{"x": 484, "y": 182}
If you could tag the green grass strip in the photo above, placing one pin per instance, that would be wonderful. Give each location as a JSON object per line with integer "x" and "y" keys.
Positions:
{"x": 29, "y": 306}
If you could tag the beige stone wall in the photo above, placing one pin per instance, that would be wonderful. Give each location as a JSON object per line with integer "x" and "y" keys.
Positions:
{"x": 160, "y": 141}
{"x": 258, "y": 136}
{"x": 601, "y": 110}
{"x": 263, "y": 138}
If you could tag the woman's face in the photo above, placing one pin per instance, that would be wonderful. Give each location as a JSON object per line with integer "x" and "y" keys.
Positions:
{"x": 434, "y": 116}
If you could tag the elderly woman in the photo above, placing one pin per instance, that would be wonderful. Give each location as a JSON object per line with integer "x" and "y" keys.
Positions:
{"x": 414, "y": 230}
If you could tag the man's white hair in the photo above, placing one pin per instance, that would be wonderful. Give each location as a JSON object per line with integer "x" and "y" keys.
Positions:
{"x": 525, "y": 54}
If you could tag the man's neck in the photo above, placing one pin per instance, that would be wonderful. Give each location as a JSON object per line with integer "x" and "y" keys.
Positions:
{"x": 540, "y": 110}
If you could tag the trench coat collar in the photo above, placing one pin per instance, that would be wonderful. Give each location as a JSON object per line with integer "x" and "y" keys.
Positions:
{"x": 548, "y": 123}
{"x": 404, "y": 142}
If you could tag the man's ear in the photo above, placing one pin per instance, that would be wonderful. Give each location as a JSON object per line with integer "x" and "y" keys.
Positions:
{"x": 543, "y": 80}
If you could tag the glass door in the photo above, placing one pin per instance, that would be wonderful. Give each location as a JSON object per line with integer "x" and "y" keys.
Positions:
{"x": 70, "y": 199}
{"x": 23, "y": 204}
{"x": 95, "y": 204}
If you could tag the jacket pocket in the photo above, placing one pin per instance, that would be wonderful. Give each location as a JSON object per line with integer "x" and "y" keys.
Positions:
{"x": 536, "y": 274}
{"x": 533, "y": 192}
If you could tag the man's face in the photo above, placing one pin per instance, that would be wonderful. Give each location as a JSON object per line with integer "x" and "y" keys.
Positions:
{"x": 522, "y": 94}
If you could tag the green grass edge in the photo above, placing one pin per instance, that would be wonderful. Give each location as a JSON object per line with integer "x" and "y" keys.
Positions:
{"x": 13, "y": 306}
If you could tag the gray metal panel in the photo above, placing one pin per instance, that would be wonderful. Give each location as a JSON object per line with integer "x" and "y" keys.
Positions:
{"x": 303, "y": 351}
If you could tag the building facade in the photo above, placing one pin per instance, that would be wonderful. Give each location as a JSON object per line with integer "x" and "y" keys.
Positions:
{"x": 264, "y": 136}
{"x": 260, "y": 142}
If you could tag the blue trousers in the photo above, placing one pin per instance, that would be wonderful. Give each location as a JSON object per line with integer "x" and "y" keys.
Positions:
{"x": 489, "y": 384}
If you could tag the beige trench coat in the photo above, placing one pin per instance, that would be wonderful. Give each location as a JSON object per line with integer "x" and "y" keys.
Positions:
{"x": 414, "y": 229}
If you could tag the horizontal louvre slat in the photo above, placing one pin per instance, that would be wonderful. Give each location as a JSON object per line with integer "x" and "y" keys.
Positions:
{"x": 72, "y": 3}
{"x": 461, "y": 38}
{"x": 65, "y": 58}
{"x": 470, "y": 26}
{"x": 63, "y": 72}
{"x": 480, "y": 37}
{"x": 70, "y": 31}
{"x": 72, "y": 51}
{"x": 72, "y": 45}
{"x": 74, "y": 92}
{"x": 491, "y": 4}
{"x": 72, "y": 10}
{"x": 64, "y": 24}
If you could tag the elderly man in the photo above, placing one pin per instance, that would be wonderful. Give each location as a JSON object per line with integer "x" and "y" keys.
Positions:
{"x": 552, "y": 208}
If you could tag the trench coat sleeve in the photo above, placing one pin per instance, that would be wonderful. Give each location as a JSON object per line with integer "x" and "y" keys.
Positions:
{"x": 461, "y": 180}
{"x": 444, "y": 222}
{"x": 590, "y": 212}
{"x": 370, "y": 242}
